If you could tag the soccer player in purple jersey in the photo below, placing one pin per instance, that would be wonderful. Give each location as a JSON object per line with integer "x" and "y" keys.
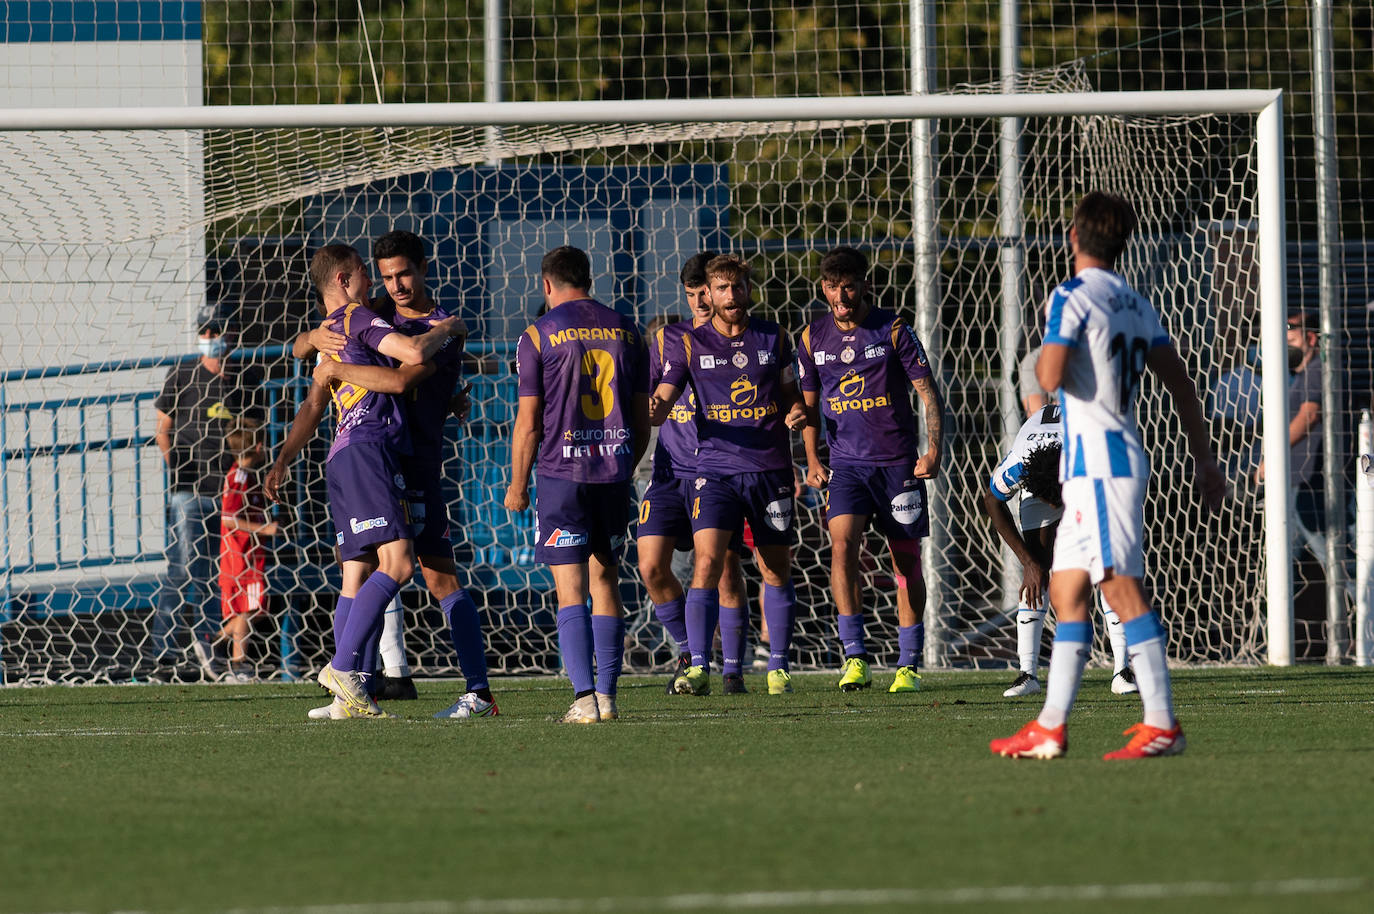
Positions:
{"x": 428, "y": 391}
{"x": 366, "y": 491}
{"x": 740, "y": 371}
{"x": 665, "y": 522}
{"x": 582, "y": 425}
{"x": 1101, "y": 335}
{"x": 856, "y": 365}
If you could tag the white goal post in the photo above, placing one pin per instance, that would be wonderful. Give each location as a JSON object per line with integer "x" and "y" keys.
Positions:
{"x": 613, "y": 142}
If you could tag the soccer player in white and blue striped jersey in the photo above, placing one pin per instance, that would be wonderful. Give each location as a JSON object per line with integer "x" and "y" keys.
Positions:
{"x": 1101, "y": 335}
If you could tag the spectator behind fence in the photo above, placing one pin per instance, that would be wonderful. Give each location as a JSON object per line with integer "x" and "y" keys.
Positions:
{"x": 200, "y": 401}
{"x": 1304, "y": 422}
{"x": 242, "y": 556}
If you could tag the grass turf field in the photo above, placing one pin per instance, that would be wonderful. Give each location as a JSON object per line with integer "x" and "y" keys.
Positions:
{"x": 218, "y": 798}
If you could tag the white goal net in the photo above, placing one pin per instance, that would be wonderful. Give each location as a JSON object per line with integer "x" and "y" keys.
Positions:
{"x": 116, "y": 238}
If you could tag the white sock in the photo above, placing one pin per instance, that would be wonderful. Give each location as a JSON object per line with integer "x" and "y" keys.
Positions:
{"x": 1068, "y": 657}
{"x": 1030, "y": 623}
{"x": 1116, "y": 636}
{"x": 1151, "y": 665}
{"x": 393, "y": 645}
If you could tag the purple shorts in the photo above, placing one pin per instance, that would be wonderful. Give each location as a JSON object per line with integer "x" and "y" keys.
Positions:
{"x": 572, "y": 520}
{"x": 428, "y": 510}
{"x": 366, "y": 498}
{"x": 891, "y": 496}
{"x": 763, "y": 499}
{"x": 666, "y": 510}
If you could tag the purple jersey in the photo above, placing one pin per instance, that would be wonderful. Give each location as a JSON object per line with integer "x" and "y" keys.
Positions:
{"x": 427, "y": 405}
{"x": 365, "y": 415}
{"x": 588, "y": 364}
{"x": 738, "y": 386}
{"x": 864, "y": 380}
{"x": 676, "y": 452}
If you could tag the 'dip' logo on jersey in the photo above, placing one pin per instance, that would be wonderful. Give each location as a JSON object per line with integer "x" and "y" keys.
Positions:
{"x": 852, "y": 384}
{"x": 561, "y": 539}
{"x": 743, "y": 391}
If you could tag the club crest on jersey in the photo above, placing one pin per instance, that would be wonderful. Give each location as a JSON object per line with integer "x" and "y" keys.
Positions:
{"x": 847, "y": 354}
{"x": 739, "y": 360}
{"x": 561, "y": 539}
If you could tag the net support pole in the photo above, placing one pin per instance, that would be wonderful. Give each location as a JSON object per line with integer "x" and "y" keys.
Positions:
{"x": 493, "y": 63}
{"x": 1274, "y": 383}
{"x": 925, "y": 229}
{"x": 1364, "y": 547}
{"x": 1333, "y": 357}
{"x": 1011, "y": 264}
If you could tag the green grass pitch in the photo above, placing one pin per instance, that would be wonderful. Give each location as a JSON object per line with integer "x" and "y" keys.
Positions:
{"x": 225, "y": 798}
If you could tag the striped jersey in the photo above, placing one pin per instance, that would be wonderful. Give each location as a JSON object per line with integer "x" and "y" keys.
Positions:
{"x": 1008, "y": 477}
{"x": 1109, "y": 329}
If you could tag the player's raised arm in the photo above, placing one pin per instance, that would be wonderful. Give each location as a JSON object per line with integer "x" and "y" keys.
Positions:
{"x": 1169, "y": 368}
{"x": 302, "y": 430}
{"x": 524, "y": 444}
{"x": 377, "y": 378}
{"x": 928, "y": 464}
{"x": 412, "y": 350}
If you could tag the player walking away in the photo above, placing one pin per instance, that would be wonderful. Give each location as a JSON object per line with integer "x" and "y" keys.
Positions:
{"x": 584, "y": 383}
{"x": 740, "y": 371}
{"x": 429, "y": 396}
{"x": 665, "y": 521}
{"x": 363, "y": 472}
{"x": 1031, "y": 468}
{"x": 1100, "y": 337}
{"x": 855, "y": 365}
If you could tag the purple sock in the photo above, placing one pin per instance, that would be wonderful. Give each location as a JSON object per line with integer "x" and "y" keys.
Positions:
{"x": 734, "y": 629}
{"x": 670, "y": 616}
{"x": 341, "y": 608}
{"x": 852, "y": 635}
{"x": 575, "y": 643}
{"x": 911, "y": 640}
{"x": 608, "y": 635}
{"x": 465, "y": 631}
{"x": 702, "y": 612}
{"x": 372, "y": 600}
{"x": 778, "y": 606}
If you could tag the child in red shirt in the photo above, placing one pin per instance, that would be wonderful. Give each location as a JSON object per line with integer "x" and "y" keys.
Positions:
{"x": 242, "y": 558}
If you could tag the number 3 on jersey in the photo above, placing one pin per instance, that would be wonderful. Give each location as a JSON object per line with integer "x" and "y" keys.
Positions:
{"x": 598, "y": 367}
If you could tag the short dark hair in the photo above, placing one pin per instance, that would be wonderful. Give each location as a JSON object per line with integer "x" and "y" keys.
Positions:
{"x": 844, "y": 263}
{"x": 399, "y": 243}
{"x": 328, "y": 261}
{"x": 242, "y": 438}
{"x": 694, "y": 270}
{"x": 1105, "y": 222}
{"x": 567, "y": 266}
{"x": 1302, "y": 319}
{"x": 729, "y": 266}
{"x": 1041, "y": 477}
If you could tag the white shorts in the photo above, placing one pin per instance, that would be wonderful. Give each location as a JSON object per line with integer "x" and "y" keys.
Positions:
{"x": 1103, "y": 527}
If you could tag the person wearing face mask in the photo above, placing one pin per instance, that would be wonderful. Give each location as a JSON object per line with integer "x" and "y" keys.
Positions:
{"x": 1304, "y": 420}
{"x": 200, "y": 402}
